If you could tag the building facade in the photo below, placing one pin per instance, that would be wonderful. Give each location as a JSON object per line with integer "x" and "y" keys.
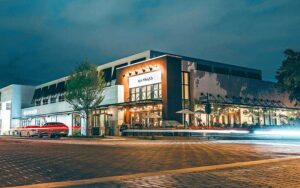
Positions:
{"x": 149, "y": 89}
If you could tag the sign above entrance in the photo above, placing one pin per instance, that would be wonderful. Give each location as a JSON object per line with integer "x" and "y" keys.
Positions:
{"x": 145, "y": 79}
{"x": 30, "y": 112}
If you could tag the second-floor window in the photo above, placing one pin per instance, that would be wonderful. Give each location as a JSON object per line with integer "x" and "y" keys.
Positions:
{"x": 145, "y": 92}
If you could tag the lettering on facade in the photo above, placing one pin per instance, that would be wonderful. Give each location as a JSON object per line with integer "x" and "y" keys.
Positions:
{"x": 145, "y": 79}
{"x": 30, "y": 112}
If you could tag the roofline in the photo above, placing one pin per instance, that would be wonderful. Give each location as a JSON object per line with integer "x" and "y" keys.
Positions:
{"x": 209, "y": 61}
{"x": 158, "y": 57}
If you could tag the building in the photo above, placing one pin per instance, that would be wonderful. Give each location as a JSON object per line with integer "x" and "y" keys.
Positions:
{"x": 148, "y": 89}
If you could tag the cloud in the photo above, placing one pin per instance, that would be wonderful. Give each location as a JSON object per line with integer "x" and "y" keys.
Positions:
{"x": 44, "y": 40}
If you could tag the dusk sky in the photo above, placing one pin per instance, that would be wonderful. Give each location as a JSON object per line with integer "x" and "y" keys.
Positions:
{"x": 42, "y": 40}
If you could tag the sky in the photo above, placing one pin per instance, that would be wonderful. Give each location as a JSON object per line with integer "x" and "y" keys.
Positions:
{"x": 42, "y": 40}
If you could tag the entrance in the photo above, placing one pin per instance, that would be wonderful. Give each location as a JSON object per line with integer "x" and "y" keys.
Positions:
{"x": 146, "y": 116}
{"x": 99, "y": 122}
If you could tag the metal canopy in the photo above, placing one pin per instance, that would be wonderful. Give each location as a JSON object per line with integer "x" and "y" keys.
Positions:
{"x": 246, "y": 101}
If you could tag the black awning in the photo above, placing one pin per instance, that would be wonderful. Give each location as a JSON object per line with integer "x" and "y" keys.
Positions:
{"x": 246, "y": 101}
{"x": 135, "y": 103}
{"x": 141, "y": 102}
{"x": 61, "y": 87}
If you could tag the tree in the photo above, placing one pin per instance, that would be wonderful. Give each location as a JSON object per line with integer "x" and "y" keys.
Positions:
{"x": 288, "y": 75}
{"x": 84, "y": 89}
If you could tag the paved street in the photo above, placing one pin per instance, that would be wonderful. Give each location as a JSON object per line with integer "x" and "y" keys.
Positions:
{"x": 35, "y": 161}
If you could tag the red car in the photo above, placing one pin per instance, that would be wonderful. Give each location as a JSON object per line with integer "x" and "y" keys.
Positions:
{"x": 51, "y": 129}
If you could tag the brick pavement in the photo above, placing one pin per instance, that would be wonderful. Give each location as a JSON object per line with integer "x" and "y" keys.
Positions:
{"x": 282, "y": 174}
{"x": 25, "y": 162}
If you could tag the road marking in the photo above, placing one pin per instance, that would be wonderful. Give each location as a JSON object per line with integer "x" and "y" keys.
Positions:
{"x": 164, "y": 172}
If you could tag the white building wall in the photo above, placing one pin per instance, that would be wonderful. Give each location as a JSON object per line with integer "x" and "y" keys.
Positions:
{"x": 5, "y": 114}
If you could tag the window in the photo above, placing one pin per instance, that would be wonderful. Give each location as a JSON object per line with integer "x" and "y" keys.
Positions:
{"x": 61, "y": 88}
{"x": 185, "y": 90}
{"x": 37, "y": 96}
{"x": 52, "y": 93}
{"x": 149, "y": 92}
{"x": 53, "y": 99}
{"x": 146, "y": 92}
{"x": 107, "y": 75}
{"x": 114, "y": 76}
{"x": 8, "y": 106}
{"x": 37, "y": 103}
{"x": 45, "y": 101}
{"x": 138, "y": 60}
{"x": 61, "y": 97}
{"x": 45, "y": 95}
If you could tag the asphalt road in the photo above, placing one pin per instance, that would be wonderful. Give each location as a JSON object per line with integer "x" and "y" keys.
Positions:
{"x": 34, "y": 161}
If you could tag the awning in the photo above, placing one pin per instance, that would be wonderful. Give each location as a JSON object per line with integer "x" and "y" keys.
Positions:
{"x": 245, "y": 101}
{"x": 135, "y": 103}
{"x": 49, "y": 114}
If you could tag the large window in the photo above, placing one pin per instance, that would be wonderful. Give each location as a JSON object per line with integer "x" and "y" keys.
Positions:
{"x": 146, "y": 92}
{"x": 185, "y": 90}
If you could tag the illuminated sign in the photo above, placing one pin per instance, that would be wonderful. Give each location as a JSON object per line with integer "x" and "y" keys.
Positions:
{"x": 30, "y": 112}
{"x": 145, "y": 79}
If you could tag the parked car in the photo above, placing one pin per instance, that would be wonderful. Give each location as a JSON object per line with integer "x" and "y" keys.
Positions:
{"x": 51, "y": 129}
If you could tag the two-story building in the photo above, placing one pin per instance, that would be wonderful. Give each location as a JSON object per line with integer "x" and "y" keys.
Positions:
{"x": 152, "y": 89}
